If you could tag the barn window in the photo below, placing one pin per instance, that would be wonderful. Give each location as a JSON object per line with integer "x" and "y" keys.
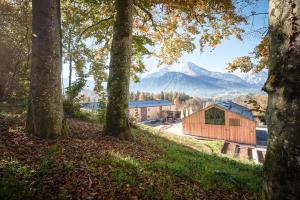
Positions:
{"x": 215, "y": 116}
{"x": 234, "y": 122}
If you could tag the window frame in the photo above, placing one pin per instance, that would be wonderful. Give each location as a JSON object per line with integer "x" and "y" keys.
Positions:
{"x": 214, "y": 121}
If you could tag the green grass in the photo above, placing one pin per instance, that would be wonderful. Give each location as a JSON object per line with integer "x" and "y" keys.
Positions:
{"x": 10, "y": 187}
{"x": 87, "y": 115}
{"x": 182, "y": 167}
{"x": 182, "y": 161}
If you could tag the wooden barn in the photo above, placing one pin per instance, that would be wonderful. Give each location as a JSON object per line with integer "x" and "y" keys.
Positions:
{"x": 224, "y": 120}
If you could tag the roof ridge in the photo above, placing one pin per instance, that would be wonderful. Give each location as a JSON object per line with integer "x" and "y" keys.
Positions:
{"x": 236, "y": 108}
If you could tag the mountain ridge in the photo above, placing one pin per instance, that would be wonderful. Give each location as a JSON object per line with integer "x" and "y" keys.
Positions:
{"x": 194, "y": 80}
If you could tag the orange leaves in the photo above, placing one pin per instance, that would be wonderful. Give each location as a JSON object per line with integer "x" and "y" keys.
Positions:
{"x": 142, "y": 29}
{"x": 178, "y": 22}
{"x": 192, "y": 29}
{"x": 271, "y": 79}
{"x": 243, "y": 63}
{"x": 262, "y": 49}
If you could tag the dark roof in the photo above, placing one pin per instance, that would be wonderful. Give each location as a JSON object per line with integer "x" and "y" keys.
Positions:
{"x": 150, "y": 103}
{"x": 235, "y": 108}
{"x": 90, "y": 106}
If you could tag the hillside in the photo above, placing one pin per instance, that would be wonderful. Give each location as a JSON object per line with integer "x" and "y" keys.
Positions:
{"x": 193, "y": 80}
{"x": 88, "y": 165}
{"x": 196, "y": 81}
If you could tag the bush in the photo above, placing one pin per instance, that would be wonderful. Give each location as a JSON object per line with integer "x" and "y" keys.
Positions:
{"x": 101, "y": 115}
{"x": 71, "y": 104}
{"x": 71, "y": 108}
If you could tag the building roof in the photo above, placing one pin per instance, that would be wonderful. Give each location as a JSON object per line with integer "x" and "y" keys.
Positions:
{"x": 235, "y": 108}
{"x": 131, "y": 104}
{"x": 149, "y": 103}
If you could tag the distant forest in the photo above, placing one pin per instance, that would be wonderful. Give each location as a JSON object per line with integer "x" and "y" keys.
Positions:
{"x": 170, "y": 96}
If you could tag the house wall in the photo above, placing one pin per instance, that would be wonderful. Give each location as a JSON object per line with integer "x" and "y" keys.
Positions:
{"x": 153, "y": 113}
{"x": 135, "y": 113}
{"x": 245, "y": 133}
{"x": 172, "y": 107}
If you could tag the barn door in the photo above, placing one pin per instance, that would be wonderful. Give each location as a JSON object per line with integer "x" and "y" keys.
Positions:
{"x": 144, "y": 114}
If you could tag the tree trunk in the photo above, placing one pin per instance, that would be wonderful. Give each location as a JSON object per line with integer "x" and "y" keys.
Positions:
{"x": 282, "y": 164}
{"x": 70, "y": 60}
{"x": 118, "y": 81}
{"x": 70, "y": 72}
{"x": 45, "y": 113}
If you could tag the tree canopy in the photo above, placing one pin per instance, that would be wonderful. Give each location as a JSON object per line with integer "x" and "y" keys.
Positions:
{"x": 161, "y": 29}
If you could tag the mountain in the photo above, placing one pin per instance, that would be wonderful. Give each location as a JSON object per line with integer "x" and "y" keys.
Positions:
{"x": 160, "y": 72}
{"x": 194, "y": 70}
{"x": 196, "y": 81}
{"x": 257, "y": 79}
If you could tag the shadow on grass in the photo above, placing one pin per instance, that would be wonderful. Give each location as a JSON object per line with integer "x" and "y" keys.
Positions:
{"x": 181, "y": 170}
{"x": 211, "y": 170}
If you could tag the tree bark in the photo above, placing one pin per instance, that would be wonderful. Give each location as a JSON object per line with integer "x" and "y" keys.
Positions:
{"x": 70, "y": 69}
{"x": 45, "y": 113}
{"x": 282, "y": 164}
{"x": 119, "y": 72}
{"x": 70, "y": 60}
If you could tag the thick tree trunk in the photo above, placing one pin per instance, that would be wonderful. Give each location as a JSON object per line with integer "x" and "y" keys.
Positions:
{"x": 118, "y": 82}
{"x": 45, "y": 112}
{"x": 282, "y": 164}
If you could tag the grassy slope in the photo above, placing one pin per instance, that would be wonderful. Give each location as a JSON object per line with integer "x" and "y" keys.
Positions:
{"x": 154, "y": 165}
{"x": 189, "y": 159}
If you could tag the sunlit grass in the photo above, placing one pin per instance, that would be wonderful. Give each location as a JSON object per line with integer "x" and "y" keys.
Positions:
{"x": 183, "y": 160}
{"x": 181, "y": 166}
{"x": 187, "y": 158}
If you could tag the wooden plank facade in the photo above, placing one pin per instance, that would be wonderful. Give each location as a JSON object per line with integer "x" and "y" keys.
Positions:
{"x": 235, "y": 128}
{"x": 149, "y": 110}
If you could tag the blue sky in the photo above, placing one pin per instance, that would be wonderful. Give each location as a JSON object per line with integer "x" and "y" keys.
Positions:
{"x": 217, "y": 59}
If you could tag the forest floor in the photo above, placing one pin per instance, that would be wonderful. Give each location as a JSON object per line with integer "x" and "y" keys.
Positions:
{"x": 89, "y": 165}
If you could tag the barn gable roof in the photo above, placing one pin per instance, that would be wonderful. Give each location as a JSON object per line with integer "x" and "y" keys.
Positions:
{"x": 235, "y": 108}
{"x": 149, "y": 103}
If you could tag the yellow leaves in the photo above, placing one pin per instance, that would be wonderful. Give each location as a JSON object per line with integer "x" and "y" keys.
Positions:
{"x": 156, "y": 36}
{"x": 271, "y": 79}
{"x": 243, "y": 63}
{"x": 142, "y": 29}
{"x": 262, "y": 49}
{"x": 192, "y": 29}
{"x": 178, "y": 21}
